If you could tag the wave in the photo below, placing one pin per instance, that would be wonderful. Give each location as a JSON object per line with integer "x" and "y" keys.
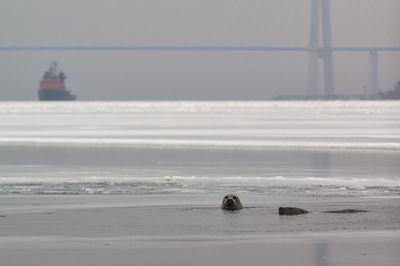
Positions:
{"x": 274, "y": 181}
{"x": 198, "y": 184}
{"x": 205, "y": 107}
{"x": 199, "y": 143}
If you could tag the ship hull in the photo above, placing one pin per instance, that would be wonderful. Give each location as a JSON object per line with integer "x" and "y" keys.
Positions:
{"x": 55, "y": 95}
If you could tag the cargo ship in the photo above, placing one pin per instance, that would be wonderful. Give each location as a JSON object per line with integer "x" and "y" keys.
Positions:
{"x": 52, "y": 86}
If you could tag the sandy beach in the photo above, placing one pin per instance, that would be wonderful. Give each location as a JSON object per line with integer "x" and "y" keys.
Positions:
{"x": 182, "y": 230}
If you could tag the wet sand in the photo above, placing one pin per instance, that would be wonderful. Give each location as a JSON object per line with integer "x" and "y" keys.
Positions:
{"x": 366, "y": 248}
{"x": 182, "y": 230}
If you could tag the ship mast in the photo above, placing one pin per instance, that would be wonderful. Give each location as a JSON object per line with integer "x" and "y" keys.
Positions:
{"x": 53, "y": 68}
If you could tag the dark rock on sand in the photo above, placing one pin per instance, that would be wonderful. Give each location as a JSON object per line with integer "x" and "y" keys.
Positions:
{"x": 291, "y": 211}
{"x": 346, "y": 211}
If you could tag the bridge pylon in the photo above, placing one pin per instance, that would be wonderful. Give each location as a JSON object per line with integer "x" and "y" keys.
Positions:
{"x": 320, "y": 18}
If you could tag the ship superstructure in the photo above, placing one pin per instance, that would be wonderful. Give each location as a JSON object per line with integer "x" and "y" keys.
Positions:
{"x": 52, "y": 86}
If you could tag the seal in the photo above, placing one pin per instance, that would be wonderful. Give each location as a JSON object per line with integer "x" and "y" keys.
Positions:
{"x": 291, "y": 211}
{"x": 231, "y": 202}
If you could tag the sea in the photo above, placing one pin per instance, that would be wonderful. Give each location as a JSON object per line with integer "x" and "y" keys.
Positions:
{"x": 322, "y": 148}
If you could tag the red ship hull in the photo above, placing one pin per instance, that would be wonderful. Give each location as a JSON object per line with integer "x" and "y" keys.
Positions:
{"x": 52, "y": 86}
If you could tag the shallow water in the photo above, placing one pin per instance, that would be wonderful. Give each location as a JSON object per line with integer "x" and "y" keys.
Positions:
{"x": 291, "y": 148}
{"x": 192, "y": 216}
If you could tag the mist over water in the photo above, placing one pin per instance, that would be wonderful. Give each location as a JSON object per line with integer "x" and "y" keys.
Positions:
{"x": 294, "y": 148}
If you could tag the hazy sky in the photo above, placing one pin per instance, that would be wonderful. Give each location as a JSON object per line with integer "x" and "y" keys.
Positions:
{"x": 189, "y": 75}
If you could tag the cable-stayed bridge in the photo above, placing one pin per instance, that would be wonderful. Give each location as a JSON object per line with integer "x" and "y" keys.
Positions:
{"x": 317, "y": 49}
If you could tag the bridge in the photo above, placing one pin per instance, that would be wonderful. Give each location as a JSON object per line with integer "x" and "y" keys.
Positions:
{"x": 320, "y": 22}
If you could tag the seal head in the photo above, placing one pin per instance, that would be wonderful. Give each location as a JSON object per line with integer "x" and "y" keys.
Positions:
{"x": 231, "y": 202}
